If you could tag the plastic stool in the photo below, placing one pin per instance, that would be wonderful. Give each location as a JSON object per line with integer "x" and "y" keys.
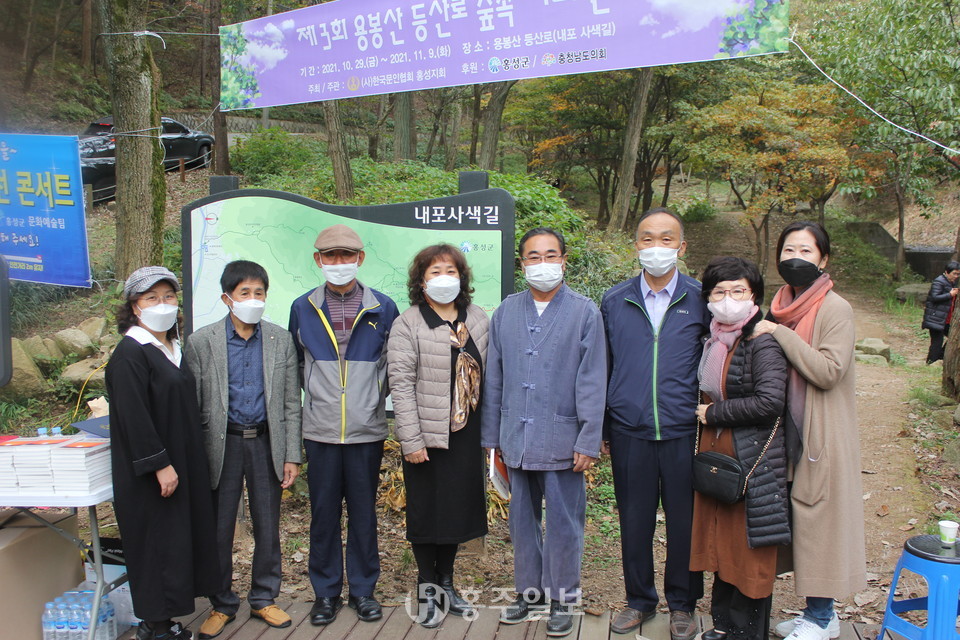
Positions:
{"x": 926, "y": 556}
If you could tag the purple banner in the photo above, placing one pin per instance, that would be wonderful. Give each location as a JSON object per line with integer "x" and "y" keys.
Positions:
{"x": 348, "y": 49}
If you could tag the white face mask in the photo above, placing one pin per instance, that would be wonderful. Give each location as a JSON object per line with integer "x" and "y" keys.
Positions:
{"x": 442, "y": 289}
{"x": 159, "y": 317}
{"x": 249, "y": 311}
{"x": 340, "y": 274}
{"x": 730, "y": 311}
{"x": 658, "y": 261}
{"x": 544, "y": 276}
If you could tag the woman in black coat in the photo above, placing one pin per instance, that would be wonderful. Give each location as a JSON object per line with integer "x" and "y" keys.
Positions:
{"x": 743, "y": 381}
{"x": 161, "y": 487}
{"x": 943, "y": 291}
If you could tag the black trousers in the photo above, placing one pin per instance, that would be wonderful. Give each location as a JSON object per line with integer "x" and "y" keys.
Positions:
{"x": 741, "y": 617}
{"x": 646, "y": 474}
{"x": 339, "y": 473}
{"x": 935, "y": 352}
{"x": 434, "y": 560}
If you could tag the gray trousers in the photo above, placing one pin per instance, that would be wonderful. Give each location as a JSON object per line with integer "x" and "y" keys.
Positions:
{"x": 547, "y": 555}
{"x": 248, "y": 458}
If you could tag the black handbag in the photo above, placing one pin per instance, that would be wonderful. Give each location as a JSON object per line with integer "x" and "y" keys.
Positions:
{"x": 720, "y": 476}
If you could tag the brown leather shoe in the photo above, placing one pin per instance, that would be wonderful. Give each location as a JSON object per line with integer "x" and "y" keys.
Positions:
{"x": 213, "y": 625}
{"x": 683, "y": 626}
{"x": 630, "y": 620}
{"x": 272, "y": 615}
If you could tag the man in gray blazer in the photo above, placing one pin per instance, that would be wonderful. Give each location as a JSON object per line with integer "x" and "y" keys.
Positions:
{"x": 248, "y": 389}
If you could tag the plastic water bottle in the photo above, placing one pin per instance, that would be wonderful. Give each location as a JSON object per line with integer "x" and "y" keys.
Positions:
{"x": 85, "y": 621}
{"x": 111, "y": 615}
{"x": 42, "y": 432}
{"x": 48, "y": 621}
{"x": 61, "y": 623}
{"x": 55, "y": 431}
{"x": 73, "y": 623}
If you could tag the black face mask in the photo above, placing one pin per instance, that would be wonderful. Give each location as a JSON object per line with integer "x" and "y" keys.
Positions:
{"x": 797, "y": 272}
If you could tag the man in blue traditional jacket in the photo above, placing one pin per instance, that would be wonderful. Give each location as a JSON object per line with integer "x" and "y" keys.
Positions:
{"x": 543, "y": 408}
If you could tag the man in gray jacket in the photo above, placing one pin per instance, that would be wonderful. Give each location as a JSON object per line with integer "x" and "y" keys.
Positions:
{"x": 543, "y": 407}
{"x": 249, "y": 395}
{"x": 340, "y": 330}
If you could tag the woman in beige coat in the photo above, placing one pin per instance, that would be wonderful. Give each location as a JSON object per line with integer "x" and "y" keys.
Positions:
{"x": 815, "y": 328}
{"x": 435, "y": 359}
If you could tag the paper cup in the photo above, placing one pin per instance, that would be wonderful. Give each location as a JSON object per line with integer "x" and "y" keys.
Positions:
{"x": 948, "y": 531}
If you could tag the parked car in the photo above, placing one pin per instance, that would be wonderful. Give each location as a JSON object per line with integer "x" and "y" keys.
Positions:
{"x": 98, "y": 152}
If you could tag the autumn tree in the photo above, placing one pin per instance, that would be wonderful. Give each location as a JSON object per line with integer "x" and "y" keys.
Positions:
{"x": 775, "y": 147}
{"x": 589, "y": 114}
{"x": 134, "y": 83}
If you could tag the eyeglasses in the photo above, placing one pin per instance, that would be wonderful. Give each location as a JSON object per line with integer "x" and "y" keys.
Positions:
{"x": 550, "y": 258}
{"x": 737, "y": 294}
{"x": 153, "y": 298}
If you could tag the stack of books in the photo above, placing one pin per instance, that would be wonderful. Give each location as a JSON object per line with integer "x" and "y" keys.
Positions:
{"x": 81, "y": 467}
{"x": 32, "y": 463}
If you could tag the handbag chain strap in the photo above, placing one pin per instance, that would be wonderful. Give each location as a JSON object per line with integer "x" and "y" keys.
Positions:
{"x": 773, "y": 432}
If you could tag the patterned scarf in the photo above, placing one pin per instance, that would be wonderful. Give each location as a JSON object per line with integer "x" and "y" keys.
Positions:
{"x": 466, "y": 394}
{"x": 800, "y": 314}
{"x": 722, "y": 338}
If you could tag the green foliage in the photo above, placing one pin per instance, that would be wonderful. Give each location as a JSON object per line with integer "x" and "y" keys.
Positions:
{"x": 924, "y": 396}
{"x": 856, "y": 263}
{"x": 270, "y": 152}
{"x": 697, "y": 209}
{"x": 902, "y": 58}
{"x": 238, "y": 86}
{"x": 30, "y": 302}
{"x": 173, "y": 249}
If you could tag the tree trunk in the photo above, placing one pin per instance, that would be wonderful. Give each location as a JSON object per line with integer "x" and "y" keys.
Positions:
{"x": 221, "y": 146}
{"x": 475, "y": 123}
{"x": 26, "y": 36}
{"x": 342, "y": 174}
{"x": 631, "y": 144}
{"x": 141, "y": 188}
{"x": 86, "y": 37}
{"x": 603, "y": 190}
{"x": 56, "y": 29}
{"x": 901, "y": 223}
{"x": 956, "y": 247}
{"x": 403, "y": 126}
{"x": 951, "y": 360}
{"x": 492, "y": 115}
{"x": 434, "y": 130}
{"x": 452, "y": 146}
{"x": 666, "y": 185}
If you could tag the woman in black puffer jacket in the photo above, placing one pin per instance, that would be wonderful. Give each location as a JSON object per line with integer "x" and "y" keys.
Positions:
{"x": 942, "y": 293}
{"x": 743, "y": 382}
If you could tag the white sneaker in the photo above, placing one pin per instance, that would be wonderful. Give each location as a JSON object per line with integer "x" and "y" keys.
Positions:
{"x": 806, "y": 630}
{"x": 785, "y": 628}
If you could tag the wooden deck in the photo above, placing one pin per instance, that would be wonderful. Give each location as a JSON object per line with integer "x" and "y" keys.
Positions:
{"x": 396, "y": 625}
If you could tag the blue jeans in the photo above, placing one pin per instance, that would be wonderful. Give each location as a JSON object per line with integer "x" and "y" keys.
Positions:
{"x": 819, "y": 611}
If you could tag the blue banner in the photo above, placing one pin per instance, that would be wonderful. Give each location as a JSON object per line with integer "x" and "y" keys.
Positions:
{"x": 43, "y": 230}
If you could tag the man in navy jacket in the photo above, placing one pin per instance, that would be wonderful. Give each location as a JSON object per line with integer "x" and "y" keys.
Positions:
{"x": 655, "y": 325}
